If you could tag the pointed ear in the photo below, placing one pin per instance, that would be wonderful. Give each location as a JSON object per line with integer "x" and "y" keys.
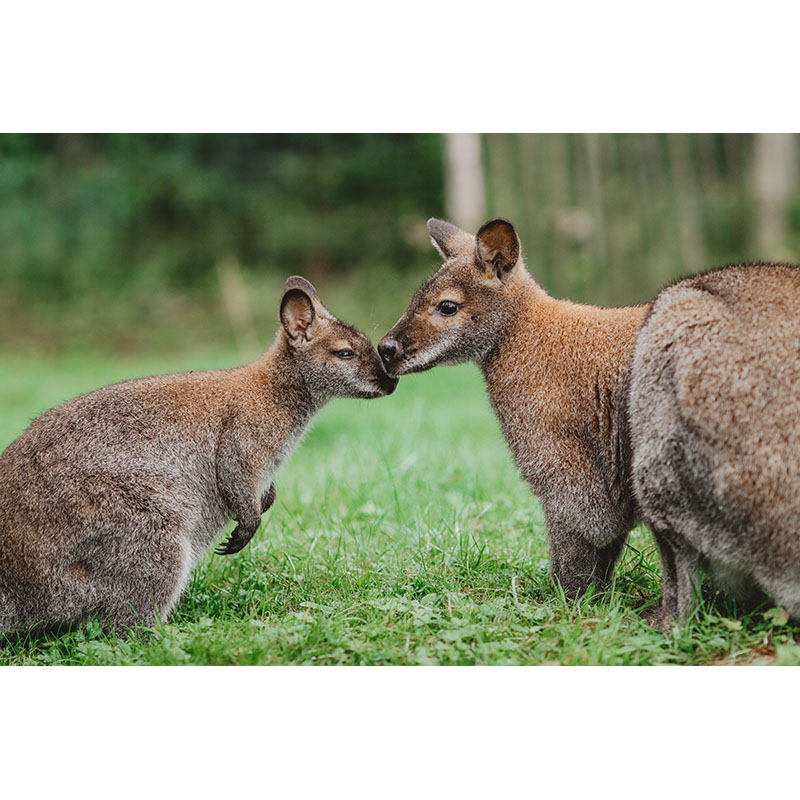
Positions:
{"x": 298, "y": 282}
{"x": 448, "y": 239}
{"x": 497, "y": 247}
{"x": 297, "y": 311}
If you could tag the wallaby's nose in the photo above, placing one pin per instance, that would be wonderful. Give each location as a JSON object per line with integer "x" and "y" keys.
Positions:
{"x": 389, "y": 350}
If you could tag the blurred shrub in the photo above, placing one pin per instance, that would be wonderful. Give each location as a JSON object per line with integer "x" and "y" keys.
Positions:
{"x": 83, "y": 213}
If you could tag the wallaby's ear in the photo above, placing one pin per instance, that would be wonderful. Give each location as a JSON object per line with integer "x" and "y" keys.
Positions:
{"x": 297, "y": 308}
{"x": 297, "y": 282}
{"x": 448, "y": 239}
{"x": 497, "y": 247}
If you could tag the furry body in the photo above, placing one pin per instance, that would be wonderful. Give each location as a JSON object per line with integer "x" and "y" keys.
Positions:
{"x": 715, "y": 427}
{"x": 556, "y": 376}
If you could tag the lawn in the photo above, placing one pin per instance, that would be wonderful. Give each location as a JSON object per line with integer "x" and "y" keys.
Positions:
{"x": 401, "y": 534}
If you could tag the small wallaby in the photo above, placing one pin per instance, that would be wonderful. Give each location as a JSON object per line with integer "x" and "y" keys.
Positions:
{"x": 108, "y": 501}
{"x": 715, "y": 432}
{"x": 556, "y": 375}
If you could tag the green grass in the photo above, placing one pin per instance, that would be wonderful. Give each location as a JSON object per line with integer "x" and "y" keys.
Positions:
{"x": 401, "y": 534}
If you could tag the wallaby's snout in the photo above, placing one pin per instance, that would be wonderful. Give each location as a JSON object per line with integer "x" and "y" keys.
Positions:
{"x": 391, "y": 351}
{"x": 383, "y": 382}
{"x": 386, "y": 383}
{"x": 400, "y": 349}
{"x": 388, "y": 349}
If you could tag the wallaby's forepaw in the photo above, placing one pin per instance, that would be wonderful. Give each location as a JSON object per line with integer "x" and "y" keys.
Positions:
{"x": 268, "y": 499}
{"x": 238, "y": 540}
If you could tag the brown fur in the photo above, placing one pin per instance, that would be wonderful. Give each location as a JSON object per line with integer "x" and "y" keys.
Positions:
{"x": 715, "y": 410}
{"x": 108, "y": 501}
{"x": 556, "y": 374}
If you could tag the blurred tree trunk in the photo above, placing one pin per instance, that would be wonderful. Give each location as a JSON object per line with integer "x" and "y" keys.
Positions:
{"x": 592, "y": 145}
{"x": 237, "y": 305}
{"x": 688, "y": 208}
{"x": 464, "y": 185}
{"x": 775, "y": 166}
{"x": 501, "y": 175}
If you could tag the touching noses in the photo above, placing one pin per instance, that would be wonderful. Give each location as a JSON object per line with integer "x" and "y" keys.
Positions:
{"x": 389, "y": 350}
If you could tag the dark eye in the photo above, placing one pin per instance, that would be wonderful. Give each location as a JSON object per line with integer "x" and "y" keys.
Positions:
{"x": 345, "y": 354}
{"x": 447, "y": 308}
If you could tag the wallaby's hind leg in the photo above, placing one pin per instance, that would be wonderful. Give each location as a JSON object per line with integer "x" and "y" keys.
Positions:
{"x": 782, "y": 584}
{"x": 137, "y": 590}
{"x": 679, "y": 581}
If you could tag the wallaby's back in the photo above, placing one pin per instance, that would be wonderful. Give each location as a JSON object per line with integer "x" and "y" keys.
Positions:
{"x": 715, "y": 421}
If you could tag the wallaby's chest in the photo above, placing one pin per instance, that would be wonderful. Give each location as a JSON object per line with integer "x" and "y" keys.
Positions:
{"x": 277, "y": 457}
{"x": 531, "y": 435}
{"x": 556, "y": 402}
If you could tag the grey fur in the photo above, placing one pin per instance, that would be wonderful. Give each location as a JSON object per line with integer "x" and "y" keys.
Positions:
{"x": 108, "y": 501}
{"x": 715, "y": 428}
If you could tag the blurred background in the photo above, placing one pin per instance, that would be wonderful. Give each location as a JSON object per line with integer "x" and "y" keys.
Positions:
{"x": 129, "y": 243}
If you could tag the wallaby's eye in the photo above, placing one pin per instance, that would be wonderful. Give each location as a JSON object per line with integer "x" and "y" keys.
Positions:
{"x": 447, "y": 308}
{"x": 344, "y": 354}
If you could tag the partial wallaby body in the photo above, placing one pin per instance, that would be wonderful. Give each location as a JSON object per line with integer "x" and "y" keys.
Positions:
{"x": 556, "y": 373}
{"x": 108, "y": 501}
{"x": 715, "y": 429}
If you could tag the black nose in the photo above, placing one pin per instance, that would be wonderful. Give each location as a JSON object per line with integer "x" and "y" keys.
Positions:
{"x": 388, "y": 349}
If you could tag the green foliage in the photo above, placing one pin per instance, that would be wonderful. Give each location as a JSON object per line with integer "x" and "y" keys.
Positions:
{"x": 114, "y": 241}
{"x": 401, "y": 534}
{"x": 119, "y": 214}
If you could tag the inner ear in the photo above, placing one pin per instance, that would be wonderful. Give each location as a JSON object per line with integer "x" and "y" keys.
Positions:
{"x": 297, "y": 314}
{"x": 497, "y": 247}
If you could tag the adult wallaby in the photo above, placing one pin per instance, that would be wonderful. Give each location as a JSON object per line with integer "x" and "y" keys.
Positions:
{"x": 715, "y": 428}
{"x": 556, "y": 373}
{"x": 108, "y": 501}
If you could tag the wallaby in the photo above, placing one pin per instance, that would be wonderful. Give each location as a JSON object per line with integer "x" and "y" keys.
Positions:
{"x": 108, "y": 501}
{"x": 715, "y": 431}
{"x": 556, "y": 374}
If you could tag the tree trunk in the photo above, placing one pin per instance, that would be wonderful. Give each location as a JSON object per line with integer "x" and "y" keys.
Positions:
{"x": 775, "y": 166}
{"x": 464, "y": 189}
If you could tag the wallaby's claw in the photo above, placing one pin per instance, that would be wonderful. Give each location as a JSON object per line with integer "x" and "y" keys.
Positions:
{"x": 237, "y": 541}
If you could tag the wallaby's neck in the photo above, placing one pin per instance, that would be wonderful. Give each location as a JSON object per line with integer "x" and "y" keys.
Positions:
{"x": 546, "y": 333}
{"x": 523, "y": 307}
{"x": 284, "y": 386}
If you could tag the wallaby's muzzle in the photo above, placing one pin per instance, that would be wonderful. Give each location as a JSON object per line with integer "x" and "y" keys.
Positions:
{"x": 386, "y": 382}
{"x": 392, "y": 354}
{"x": 390, "y": 350}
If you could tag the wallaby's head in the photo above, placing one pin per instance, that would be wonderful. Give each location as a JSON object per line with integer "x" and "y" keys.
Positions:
{"x": 459, "y": 314}
{"x": 334, "y": 358}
